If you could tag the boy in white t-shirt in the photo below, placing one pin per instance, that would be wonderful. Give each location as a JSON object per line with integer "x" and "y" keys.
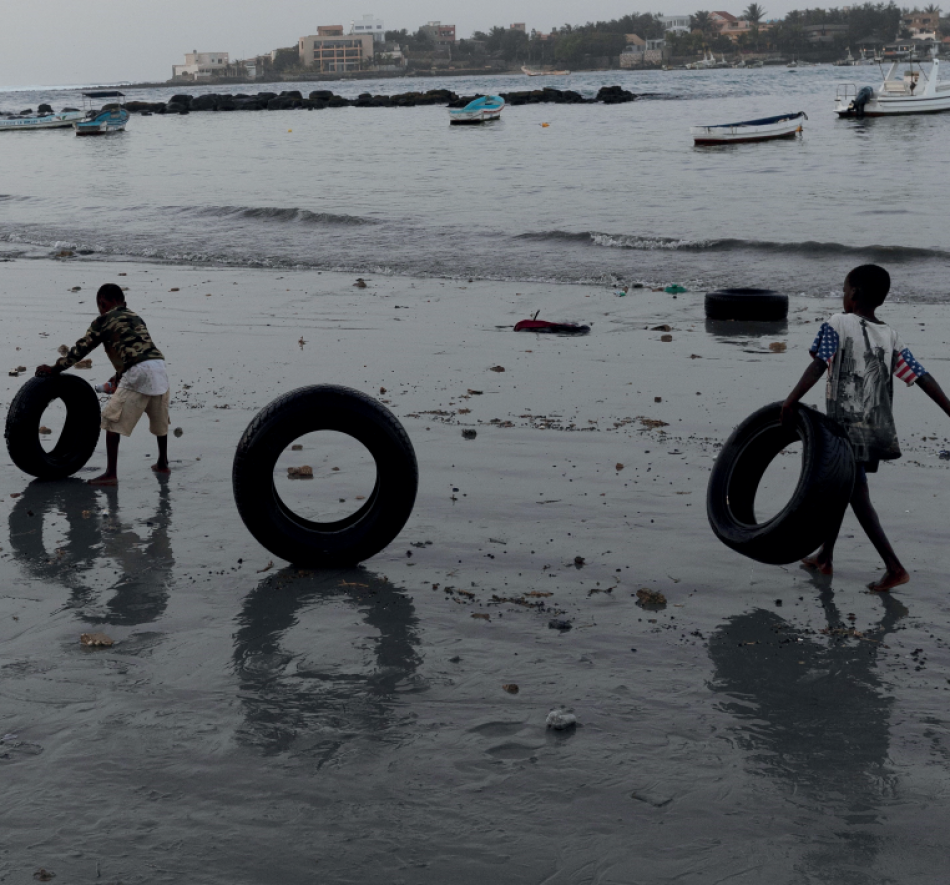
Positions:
{"x": 861, "y": 354}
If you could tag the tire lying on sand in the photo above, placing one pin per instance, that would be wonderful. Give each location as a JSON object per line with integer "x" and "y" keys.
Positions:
{"x": 345, "y": 541}
{"x": 80, "y": 433}
{"x": 746, "y": 304}
{"x": 817, "y": 504}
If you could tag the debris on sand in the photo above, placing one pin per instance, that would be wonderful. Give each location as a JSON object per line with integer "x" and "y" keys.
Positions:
{"x": 304, "y": 472}
{"x": 579, "y": 561}
{"x": 62, "y": 350}
{"x": 664, "y": 328}
{"x": 42, "y": 875}
{"x": 618, "y": 466}
{"x": 652, "y": 422}
{"x": 296, "y": 447}
{"x": 266, "y": 568}
{"x": 14, "y": 373}
{"x": 511, "y": 688}
{"x": 497, "y": 369}
{"x": 650, "y": 598}
{"x": 481, "y": 617}
{"x": 45, "y": 431}
{"x": 178, "y": 431}
{"x": 778, "y": 347}
{"x": 83, "y": 364}
{"x": 360, "y": 283}
{"x": 666, "y": 338}
{"x": 96, "y": 640}
{"x": 561, "y": 624}
{"x": 560, "y": 721}
{"x": 469, "y": 434}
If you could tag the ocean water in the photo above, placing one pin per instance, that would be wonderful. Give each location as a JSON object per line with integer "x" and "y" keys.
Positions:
{"x": 601, "y": 195}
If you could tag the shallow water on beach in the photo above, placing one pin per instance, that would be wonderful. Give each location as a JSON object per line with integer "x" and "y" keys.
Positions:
{"x": 601, "y": 194}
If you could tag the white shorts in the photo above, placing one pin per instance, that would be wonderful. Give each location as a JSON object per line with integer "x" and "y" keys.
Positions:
{"x": 125, "y": 407}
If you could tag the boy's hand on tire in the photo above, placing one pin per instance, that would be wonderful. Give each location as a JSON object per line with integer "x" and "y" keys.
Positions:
{"x": 788, "y": 413}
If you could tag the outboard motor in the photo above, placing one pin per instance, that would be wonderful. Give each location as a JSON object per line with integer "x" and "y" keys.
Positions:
{"x": 860, "y": 100}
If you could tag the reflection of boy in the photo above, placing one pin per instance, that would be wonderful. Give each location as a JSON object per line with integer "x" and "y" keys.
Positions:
{"x": 860, "y": 354}
{"x": 140, "y": 382}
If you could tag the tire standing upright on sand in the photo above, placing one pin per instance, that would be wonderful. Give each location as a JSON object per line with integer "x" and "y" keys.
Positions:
{"x": 346, "y": 541}
{"x": 78, "y": 439}
{"x": 817, "y": 504}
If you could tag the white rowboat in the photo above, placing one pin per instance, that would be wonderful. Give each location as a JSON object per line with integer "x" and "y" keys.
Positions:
{"x": 751, "y": 130}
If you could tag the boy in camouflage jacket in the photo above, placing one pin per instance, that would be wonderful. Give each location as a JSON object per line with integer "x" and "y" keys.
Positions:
{"x": 139, "y": 386}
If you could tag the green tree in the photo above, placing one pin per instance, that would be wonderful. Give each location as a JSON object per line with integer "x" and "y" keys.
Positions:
{"x": 754, "y": 13}
{"x": 701, "y": 21}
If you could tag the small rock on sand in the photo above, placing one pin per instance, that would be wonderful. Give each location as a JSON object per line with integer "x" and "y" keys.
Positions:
{"x": 778, "y": 347}
{"x": 96, "y": 640}
{"x": 296, "y": 448}
{"x": 178, "y": 431}
{"x": 559, "y": 624}
{"x": 511, "y": 688}
{"x": 647, "y": 597}
{"x": 304, "y": 472}
{"x": 84, "y": 364}
{"x": 469, "y": 434}
{"x": 560, "y": 721}
{"x": 45, "y": 431}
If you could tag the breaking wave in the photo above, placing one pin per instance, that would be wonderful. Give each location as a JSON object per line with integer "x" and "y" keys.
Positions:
{"x": 682, "y": 244}
{"x": 292, "y": 215}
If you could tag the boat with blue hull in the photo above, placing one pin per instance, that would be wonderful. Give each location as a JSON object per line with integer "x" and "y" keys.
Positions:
{"x": 481, "y": 110}
{"x": 764, "y": 129}
{"x": 110, "y": 118}
{"x": 25, "y": 122}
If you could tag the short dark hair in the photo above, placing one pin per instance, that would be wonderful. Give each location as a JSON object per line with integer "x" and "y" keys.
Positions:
{"x": 111, "y": 292}
{"x": 871, "y": 284}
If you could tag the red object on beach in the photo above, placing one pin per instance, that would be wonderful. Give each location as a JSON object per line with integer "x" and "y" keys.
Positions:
{"x": 545, "y": 326}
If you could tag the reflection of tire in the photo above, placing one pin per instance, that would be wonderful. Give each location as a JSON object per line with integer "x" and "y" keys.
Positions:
{"x": 817, "y": 504}
{"x": 80, "y": 433}
{"x": 746, "y": 304}
{"x": 346, "y": 541}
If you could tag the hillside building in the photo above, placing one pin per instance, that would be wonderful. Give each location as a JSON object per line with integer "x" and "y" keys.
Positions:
{"x": 201, "y": 65}
{"x": 368, "y": 24}
{"x": 332, "y": 51}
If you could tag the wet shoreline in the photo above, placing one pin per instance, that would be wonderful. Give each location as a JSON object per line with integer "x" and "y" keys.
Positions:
{"x": 255, "y": 721}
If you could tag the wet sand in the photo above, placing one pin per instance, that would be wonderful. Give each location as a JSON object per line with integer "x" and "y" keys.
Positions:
{"x": 258, "y": 723}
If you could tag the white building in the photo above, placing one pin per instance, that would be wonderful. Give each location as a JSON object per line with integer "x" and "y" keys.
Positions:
{"x": 369, "y": 25}
{"x": 678, "y": 24}
{"x": 200, "y": 65}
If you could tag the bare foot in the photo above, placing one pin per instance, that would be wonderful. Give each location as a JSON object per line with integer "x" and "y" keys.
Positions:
{"x": 106, "y": 479}
{"x": 814, "y": 564}
{"x": 890, "y": 579}
{"x": 161, "y": 468}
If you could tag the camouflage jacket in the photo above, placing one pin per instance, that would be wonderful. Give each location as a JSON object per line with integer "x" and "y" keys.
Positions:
{"x": 124, "y": 336}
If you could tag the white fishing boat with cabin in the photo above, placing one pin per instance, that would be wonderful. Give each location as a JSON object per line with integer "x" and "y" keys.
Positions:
{"x": 903, "y": 91}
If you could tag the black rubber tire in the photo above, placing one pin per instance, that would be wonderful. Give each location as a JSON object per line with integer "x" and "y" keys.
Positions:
{"x": 817, "y": 504}
{"x": 80, "y": 434}
{"x": 746, "y": 304}
{"x": 347, "y": 541}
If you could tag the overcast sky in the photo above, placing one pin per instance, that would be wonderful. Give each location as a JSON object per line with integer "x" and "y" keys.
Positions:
{"x": 81, "y": 42}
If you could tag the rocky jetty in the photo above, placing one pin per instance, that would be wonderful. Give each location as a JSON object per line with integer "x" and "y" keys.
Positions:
{"x": 323, "y": 98}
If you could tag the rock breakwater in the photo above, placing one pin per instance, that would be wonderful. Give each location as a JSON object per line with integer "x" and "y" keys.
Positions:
{"x": 324, "y": 98}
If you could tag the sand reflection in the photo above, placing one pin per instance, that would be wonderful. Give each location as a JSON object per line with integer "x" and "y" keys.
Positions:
{"x": 813, "y": 716}
{"x": 356, "y": 654}
{"x": 95, "y": 543}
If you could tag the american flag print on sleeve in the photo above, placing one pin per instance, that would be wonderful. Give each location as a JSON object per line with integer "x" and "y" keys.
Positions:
{"x": 826, "y": 344}
{"x": 907, "y": 368}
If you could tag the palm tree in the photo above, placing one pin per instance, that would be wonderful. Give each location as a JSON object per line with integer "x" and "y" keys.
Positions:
{"x": 754, "y": 13}
{"x": 701, "y": 21}
{"x": 933, "y": 9}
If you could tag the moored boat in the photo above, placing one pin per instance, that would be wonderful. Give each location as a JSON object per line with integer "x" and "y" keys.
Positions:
{"x": 910, "y": 91}
{"x": 479, "y": 110}
{"x": 539, "y": 72}
{"x": 21, "y": 122}
{"x": 110, "y": 118}
{"x": 764, "y": 129}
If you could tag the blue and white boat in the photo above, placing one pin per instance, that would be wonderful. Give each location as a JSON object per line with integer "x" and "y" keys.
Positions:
{"x": 765, "y": 129}
{"x": 480, "y": 110}
{"x": 24, "y": 122}
{"x": 111, "y": 118}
